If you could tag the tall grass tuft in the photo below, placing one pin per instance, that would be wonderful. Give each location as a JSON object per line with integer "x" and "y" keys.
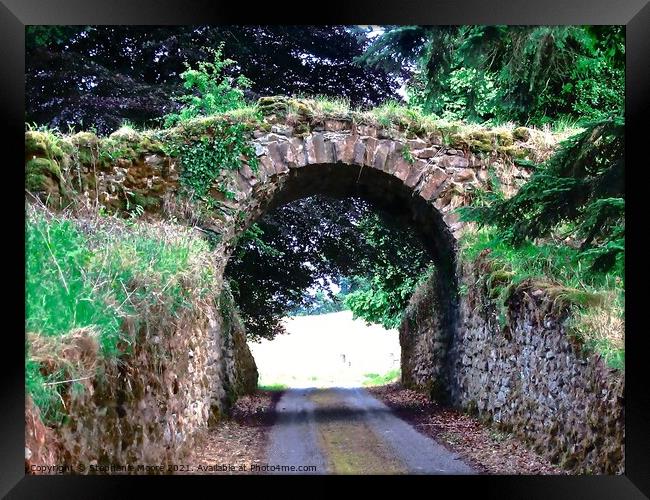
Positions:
{"x": 86, "y": 277}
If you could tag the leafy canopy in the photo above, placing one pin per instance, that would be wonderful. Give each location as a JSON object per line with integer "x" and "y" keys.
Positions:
{"x": 311, "y": 243}
{"x": 100, "y": 76}
{"x": 507, "y": 73}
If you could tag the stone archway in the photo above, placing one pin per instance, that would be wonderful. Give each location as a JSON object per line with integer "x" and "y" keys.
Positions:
{"x": 419, "y": 181}
{"x": 420, "y": 177}
{"x": 344, "y": 159}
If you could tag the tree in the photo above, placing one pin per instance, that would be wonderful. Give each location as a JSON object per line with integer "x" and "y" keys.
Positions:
{"x": 99, "y": 76}
{"x": 508, "y": 73}
{"x": 392, "y": 267}
{"x": 579, "y": 193}
{"x": 316, "y": 241}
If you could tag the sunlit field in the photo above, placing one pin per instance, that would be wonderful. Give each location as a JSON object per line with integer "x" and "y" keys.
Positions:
{"x": 328, "y": 350}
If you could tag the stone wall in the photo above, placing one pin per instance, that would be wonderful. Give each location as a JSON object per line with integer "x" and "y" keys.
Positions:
{"x": 424, "y": 339}
{"x": 175, "y": 384}
{"x": 528, "y": 378}
{"x": 130, "y": 168}
{"x": 181, "y": 374}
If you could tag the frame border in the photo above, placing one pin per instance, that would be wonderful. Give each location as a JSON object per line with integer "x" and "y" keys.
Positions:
{"x": 635, "y": 14}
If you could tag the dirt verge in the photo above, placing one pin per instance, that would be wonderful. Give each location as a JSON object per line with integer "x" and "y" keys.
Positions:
{"x": 233, "y": 445}
{"x": 488, "y": 450}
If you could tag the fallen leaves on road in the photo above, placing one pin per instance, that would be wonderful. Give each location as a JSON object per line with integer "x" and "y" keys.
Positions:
{"x": 239, "y": 440}
{"x": 489, "y": 450}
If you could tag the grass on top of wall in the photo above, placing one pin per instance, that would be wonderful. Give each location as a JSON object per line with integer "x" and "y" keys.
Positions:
{"x": 86, "y": 279}
{"x": 596, "y": 300}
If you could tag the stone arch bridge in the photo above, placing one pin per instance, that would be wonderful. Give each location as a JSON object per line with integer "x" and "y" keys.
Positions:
{"x": 452, "y": 344}
{"x": 422, "y": 177}
{"x": 419, "y": 176}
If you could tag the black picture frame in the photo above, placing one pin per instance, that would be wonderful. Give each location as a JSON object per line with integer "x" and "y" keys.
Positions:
{"x": 634, "y": 14}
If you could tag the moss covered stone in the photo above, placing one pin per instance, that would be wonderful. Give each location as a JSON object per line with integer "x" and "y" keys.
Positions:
{"x": 504, "y": 138}
{"x": 43, "y": 166}
{"x": 125, "y": 134}
{"x": 85, "y": 139}
{"x": 42, "y": 174}
{"x": 35, "y": 144}
{"x": 35, "y": 182}
{"x": 514, "y": 150}
{"x": 43, "y": 144}
{"x": 87, "y": 145}
{"x": 521, "y": 134}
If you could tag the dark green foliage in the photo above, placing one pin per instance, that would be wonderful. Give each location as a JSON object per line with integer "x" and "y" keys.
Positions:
{"x": 581, "y": 187}
{"x": 313, "y": 242}
{"x": 393, "y": 267}
{"x": 527, "y": 74}
{"x": 99, "y": 76}
{"x": 53, "y": 36}
{"x": 288, "y": 251}
{"x": 322, "y": 304}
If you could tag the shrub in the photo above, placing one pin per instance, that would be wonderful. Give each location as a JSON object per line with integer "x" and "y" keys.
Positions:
{"x": 85, "y": 278}
{"x": 211, "y": 91}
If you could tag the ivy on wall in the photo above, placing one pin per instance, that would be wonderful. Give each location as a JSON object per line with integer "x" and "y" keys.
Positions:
{"x": 224, "y": 147}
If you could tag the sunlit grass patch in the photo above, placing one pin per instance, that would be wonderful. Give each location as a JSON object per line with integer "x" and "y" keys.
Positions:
{"x": 374, "y": 379}
{"x": 273, "y": 387}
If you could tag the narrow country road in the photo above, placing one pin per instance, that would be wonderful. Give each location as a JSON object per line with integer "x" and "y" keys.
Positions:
{"x": 348, "y": 431}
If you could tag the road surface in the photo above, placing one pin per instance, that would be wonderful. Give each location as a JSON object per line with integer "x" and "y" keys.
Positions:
{"x": 348, "y": 431}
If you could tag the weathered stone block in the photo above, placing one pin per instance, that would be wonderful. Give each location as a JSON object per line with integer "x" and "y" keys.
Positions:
{"x": 359, "y": 153}
{"x": 267, "y": 166}
{"x": 285, "y": 130}
{"x": 366, "y": 130}
{"x": 453, "y": 161}
{"x": 310, "y": 151}
{"x": 425, "y": 153}
{"x": 319, "y": 149}
{"x": 415, "y": 173}
{"x": 278, "y": 153}
{"x": 336, "y": 125}
{"x": 371, "y": 148}
{"x": 299, "y": 154}
{"x": 464, "y": 175}
{"x": 435, "y": 139}
{"x": 417, "y": 144}
{"x": 433, "y": 184}
{"x": 344, "y": 148}
{"x": 401, "y": 168}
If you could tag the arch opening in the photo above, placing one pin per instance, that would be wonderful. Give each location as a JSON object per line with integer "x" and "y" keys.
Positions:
{"x": 385, "y": 194}
{"x": 384, "y": 190}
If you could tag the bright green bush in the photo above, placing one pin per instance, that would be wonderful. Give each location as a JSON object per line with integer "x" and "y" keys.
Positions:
{"x": 210, "y": 89}
{"x": 206, "y": 149}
